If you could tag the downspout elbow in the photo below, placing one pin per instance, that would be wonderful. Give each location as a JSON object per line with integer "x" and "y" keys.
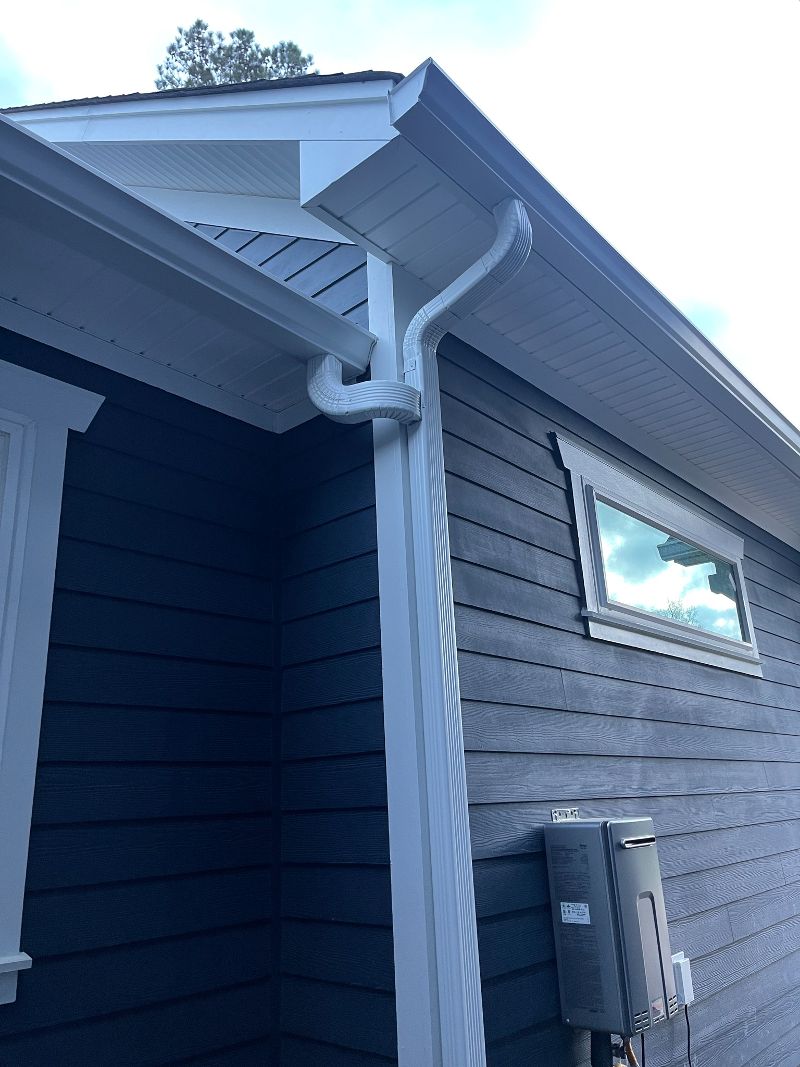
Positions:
{"x": 362, "y": 401}
{"x": 402, "y": 401}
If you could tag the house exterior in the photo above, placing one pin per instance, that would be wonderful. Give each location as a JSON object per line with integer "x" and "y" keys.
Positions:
{"x": 272, "y": 790}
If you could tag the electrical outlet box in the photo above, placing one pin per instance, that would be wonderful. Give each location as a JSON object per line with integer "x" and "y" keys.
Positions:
{"x": 612, "y": 944}
{"x": 682, "y": 969}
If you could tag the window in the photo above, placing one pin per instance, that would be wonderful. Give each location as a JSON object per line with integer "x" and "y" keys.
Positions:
{"x": 36, "y": 413}
{"x": 657, "y": 575}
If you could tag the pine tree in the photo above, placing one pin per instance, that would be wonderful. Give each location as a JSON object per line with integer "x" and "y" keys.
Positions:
{"x": 199, "y": 56}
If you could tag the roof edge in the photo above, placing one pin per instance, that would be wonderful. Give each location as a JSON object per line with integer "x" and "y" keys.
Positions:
{"x": 300, "y": 81}
{"x": 429, "y": 109}
{"x": 46, "y": 171}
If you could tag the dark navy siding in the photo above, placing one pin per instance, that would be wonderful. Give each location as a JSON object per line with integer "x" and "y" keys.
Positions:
{"x": 337, "y": 1004}
{"x": 331, "y": 273}
{"x": 149, "y": 903}
{"x": 153, "y": 908}
{"x": 554, "y": 718}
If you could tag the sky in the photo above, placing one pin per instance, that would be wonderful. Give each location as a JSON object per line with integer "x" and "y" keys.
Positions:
{"x": 671, "y": 125}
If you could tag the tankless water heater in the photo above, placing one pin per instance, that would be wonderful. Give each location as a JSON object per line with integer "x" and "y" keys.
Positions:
{"x": 612, "y": 943}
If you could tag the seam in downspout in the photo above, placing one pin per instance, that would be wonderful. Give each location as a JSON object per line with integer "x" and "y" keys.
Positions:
{"x": 399, "y": 400}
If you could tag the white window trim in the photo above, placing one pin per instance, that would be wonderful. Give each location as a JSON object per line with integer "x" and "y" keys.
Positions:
{"x": 593, "y": 477}
{"x": 36, "y": 412}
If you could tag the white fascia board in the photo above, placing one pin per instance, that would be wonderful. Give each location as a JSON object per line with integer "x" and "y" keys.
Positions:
{"x": 164, "y": 253}
{"x": 325, "y": 91}
{"x": 437, "y": 118}
{"x": 355, "y": 110}
{"x": 240, "y": 211}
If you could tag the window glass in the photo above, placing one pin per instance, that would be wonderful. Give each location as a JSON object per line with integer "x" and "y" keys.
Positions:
{"x": 648, "y": 569}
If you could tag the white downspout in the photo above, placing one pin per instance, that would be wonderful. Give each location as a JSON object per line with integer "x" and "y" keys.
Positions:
{"x": 401, "y": 400}
{"x": 433, "y": 899}
{"x": 505, "y": 258}
{"x": 452, "y": 896}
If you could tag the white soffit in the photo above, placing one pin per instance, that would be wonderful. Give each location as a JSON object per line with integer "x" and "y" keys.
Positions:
{"x": 579, "y": 321}
{"x": 99, "y": 273}
{"x": 270, "y": 169}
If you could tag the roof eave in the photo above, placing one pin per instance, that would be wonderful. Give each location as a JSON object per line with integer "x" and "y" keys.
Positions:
{"x": 272, "y": 85}
{"x": 182, "y": 260}
{"x": 430, "y": 111}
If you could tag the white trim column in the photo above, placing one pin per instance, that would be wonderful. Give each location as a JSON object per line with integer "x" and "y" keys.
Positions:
{"x": 36, "y": 412}
{"x": 437, "y": 974}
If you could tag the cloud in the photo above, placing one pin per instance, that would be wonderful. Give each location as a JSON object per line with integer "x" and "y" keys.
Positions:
{"x": 14, "y": 80}
{"x": 669, "y": 125}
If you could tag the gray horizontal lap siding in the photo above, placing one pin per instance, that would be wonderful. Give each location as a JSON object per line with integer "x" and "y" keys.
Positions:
{"x": 553, "y": 718}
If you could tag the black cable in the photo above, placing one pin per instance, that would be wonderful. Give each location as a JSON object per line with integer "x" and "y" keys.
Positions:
{"x": 688, "y": 1034}
{"x": 601, "y": 1049}
{"x": 644, "y": 1061}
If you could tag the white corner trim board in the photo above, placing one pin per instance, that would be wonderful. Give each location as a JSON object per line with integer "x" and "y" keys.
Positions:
{"x": 437, "y": 971}
{"x": 36, "y": 413}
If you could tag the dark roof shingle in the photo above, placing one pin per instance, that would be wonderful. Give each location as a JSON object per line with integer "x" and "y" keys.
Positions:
{"x": 238, "y": 87}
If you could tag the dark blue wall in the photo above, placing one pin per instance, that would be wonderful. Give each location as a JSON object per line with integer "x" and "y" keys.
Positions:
{"x": 155, "y": 909}
{"x": 336, "y": 955}
{"x": 553, "y": 718}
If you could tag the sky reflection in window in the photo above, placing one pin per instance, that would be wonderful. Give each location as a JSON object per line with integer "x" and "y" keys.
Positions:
{"x": 648, "y": 569}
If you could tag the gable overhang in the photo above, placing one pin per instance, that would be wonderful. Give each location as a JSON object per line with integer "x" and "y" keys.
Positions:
{"x": 579, "y": 322}
{"x": 226, "y": 155}
{"x": 411, "y": 170}
{"x": 96, "y": 271}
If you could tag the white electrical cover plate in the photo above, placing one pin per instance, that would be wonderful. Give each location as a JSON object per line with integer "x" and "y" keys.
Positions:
{"x": 575, "y": 913}
{"x": 564, "y": 814}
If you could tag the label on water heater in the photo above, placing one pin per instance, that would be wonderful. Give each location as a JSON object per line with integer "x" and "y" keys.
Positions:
{"x": 575, "y": 913}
